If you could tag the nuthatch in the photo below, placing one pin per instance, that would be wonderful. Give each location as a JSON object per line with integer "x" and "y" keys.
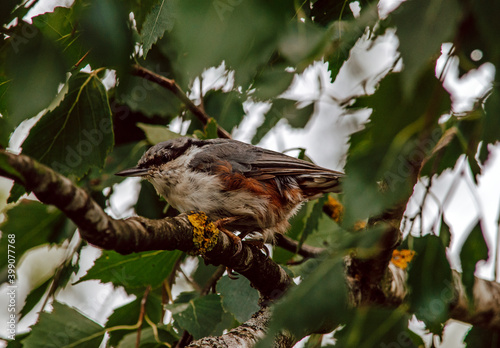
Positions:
{"x": 241, "y": 187}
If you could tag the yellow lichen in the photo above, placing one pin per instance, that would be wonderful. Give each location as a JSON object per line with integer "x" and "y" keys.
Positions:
{"x": 334, "y": 209}
{"x": 401, "y": 258}
{"x": 205, "y": 234}
{"x": 358, "y": 226}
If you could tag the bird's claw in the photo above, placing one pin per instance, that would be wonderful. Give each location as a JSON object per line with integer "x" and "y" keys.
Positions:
{"x": 236, "y": 240}
{"x": 259, "y": 244}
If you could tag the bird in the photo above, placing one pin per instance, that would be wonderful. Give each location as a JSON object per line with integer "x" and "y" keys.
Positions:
{"x": 241, "y": 187}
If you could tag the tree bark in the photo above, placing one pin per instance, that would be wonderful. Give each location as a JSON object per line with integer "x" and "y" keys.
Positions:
{"x": 246, "y": 335}
{"x": 483, "y": 310}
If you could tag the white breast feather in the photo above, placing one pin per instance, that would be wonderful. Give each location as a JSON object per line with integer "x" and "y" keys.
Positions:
{"x": 187, "y": 190}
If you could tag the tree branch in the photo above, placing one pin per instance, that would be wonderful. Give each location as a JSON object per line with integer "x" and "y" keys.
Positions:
{"x": 483, "y": 310}
{"x": 372, "y": 274}
{"x": 246, "y": 335}
{"x": 172, "y": 86}
{"x": 191, "y": 232}
{"x": 291, "y": 245}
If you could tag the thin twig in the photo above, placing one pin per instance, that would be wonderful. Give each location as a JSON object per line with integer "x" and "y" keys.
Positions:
{"x": 213, "y": 280}
{"x": 172, "y": 86}
{"x": 293, "y": 246}
{"x": 141, "y": 315}
{"x": 185, "y": 339}
{"x": 81, "y": 60}
{"x": 194, "y": 284}
{"x": 202, "y": 105}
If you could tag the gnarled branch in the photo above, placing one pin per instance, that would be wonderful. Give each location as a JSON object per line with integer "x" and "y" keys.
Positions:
{"x": 140, "y": 234}
{"x": 246, "y": 335}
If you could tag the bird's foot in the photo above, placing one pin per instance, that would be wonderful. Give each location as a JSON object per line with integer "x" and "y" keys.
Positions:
{"x": 256, "y": 239}
{"x": 236, "y": 240}
{"x": 259, "y": 243}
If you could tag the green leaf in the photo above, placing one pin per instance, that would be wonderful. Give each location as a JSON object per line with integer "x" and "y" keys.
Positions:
{"x": 157, "y": 134}
{"x": 148, "y": 338}
{"x": 331, "y": 235}
{"x": 226, "y": 323}
{"x": 287, "y": 109}
{"x": 5, "y": 130}
{"x": 491, "y": 123}
{"x": 159, "y": 20}
{"x": 345, "y": 33}
{"x": 64, "y": 327}
{"x": 148, "y": 97}
{"x": 6, "y": 8}
{"x": 78, "y": 134}
{"x": 303, "y": 43}
{"x": 430, "y": 23}
{"x": 238, "y": 297}
{"x": 271, "y": 82}
{"x": 375, "y": 327}
{"x": 129, "y": 315}
{"x": 34, "y": 297}
{"x": 444, "y": 233}
{"x": 297, "y": 223}
{"x": 211, "y": 129}
{"x": 17, "y": 342}
{"x": 484, "y": 13}
{"x": 242, "y": 34}
{"x": 59, "y": 27}
{"x": 480, "y": 337}
{"x": 149, "y": 204}
{"x": 473, "y": 250}
{"x": 324, "y": 11}
{"x": 105, "y": 32}
{"x": 319, "y": 302}
{"x": 203, "y": 272}
{"x": 184, "y": 298}
{"x": 431, "y": 292}
{"x": 314, "y": 341}
{"x": 312, "y": 222}
{"x": 225, "y": 108}
{"x": 390, "y": 144}
{"x": 44, "y": 225}
{"x": 122, "y": 157}
{"x": 35, "y": 69}
{"x": 199, "y": 316}
{"x": 461, "y": 136}
{"x": 141, "y": 9}
{"x": 16, "y": 192}
{"x": 133, "y": 271}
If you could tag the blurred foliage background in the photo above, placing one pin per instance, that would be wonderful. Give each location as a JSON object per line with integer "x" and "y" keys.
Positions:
{"x": 68, "y": 73}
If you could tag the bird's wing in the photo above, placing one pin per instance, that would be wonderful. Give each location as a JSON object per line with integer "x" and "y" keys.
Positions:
{"x": 261, "y": 164}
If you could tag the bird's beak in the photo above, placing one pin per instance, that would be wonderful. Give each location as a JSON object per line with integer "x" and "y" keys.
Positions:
{"x": 133, "y": 172}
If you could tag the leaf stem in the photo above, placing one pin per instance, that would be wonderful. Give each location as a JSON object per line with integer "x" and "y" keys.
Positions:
{"x": 172, "y": 86}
